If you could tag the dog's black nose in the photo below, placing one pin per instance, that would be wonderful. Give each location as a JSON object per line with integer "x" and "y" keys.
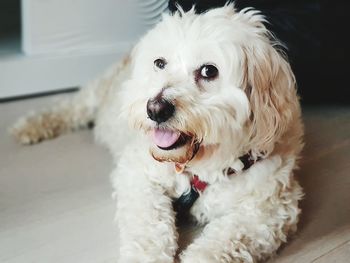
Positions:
{"x": 159, "y": 109}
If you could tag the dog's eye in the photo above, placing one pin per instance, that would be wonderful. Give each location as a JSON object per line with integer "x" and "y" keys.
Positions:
{"x": 160, "y": 63}
{"x": 208, "y": 72}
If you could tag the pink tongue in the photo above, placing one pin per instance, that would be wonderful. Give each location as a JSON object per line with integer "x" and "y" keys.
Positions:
{"x": 164, "y": 138}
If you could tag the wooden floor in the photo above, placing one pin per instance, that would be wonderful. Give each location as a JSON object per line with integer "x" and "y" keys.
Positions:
{"x": 56, "y": 206}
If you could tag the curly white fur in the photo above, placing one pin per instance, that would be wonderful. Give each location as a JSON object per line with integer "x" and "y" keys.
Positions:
{"x": 251, "y": 106}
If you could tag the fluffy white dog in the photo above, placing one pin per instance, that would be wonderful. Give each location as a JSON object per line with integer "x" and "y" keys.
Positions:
{"x": 203, "y": 114}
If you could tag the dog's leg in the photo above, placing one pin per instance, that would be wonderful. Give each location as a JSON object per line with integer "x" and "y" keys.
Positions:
{"x": 145, "y": 216}
{"x": 225, "y": 241}
{"x": 78, "y": 111}
{"x": 248, "y": 236}
{"x": 146, "y": 224}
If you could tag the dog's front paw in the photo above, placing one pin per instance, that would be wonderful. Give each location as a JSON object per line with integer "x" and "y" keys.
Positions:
{"x": 200, "y": 255}
{"x": 192, "y": 255}
{"x": 143, "y": 259}
{"x": 207, "y": 258}
{"x": 200, "y": 258}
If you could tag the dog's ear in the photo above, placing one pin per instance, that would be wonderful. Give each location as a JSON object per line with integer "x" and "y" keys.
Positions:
{"x": 270, "y": 87}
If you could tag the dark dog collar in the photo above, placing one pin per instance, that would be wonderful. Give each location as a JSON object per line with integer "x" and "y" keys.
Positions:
{"x": 186, "y": 200}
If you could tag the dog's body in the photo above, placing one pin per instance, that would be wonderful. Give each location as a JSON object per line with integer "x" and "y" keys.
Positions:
{"x": 199, "y": 92}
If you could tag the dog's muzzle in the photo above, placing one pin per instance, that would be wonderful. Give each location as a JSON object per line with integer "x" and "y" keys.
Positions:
{"x": 168, "y": 144}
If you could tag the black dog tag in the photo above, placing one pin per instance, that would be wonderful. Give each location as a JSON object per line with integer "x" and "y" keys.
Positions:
{"x": 184, "y": 203}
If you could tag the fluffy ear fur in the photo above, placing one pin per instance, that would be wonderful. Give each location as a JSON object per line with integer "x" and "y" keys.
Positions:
{"x": 270, "y": 86}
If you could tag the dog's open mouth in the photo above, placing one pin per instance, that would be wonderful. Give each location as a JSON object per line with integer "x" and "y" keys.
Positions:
{"x": 167, "y": 139}
{"x": 173, "y": 145}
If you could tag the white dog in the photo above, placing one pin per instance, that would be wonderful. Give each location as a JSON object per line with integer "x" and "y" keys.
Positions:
{"x": 204, "y": 114}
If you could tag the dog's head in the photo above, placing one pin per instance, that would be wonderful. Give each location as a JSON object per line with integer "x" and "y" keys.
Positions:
{"x": 211, "y": 80}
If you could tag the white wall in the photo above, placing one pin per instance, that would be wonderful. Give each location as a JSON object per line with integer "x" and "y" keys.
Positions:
{"x": 65, "y": 43}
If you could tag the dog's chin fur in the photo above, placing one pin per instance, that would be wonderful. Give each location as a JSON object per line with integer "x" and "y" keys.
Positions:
{"x": 251, "y": 106}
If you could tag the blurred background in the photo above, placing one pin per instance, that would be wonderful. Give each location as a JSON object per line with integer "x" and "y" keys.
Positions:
{"x": 50, "y": 45}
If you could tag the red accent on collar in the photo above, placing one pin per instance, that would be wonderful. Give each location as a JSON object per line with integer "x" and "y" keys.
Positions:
{"x": 247, "y": 161}
{"x": 198, "y": 184}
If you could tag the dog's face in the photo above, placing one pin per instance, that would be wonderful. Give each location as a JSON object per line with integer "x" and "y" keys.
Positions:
{"x": 208, "y": 80}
